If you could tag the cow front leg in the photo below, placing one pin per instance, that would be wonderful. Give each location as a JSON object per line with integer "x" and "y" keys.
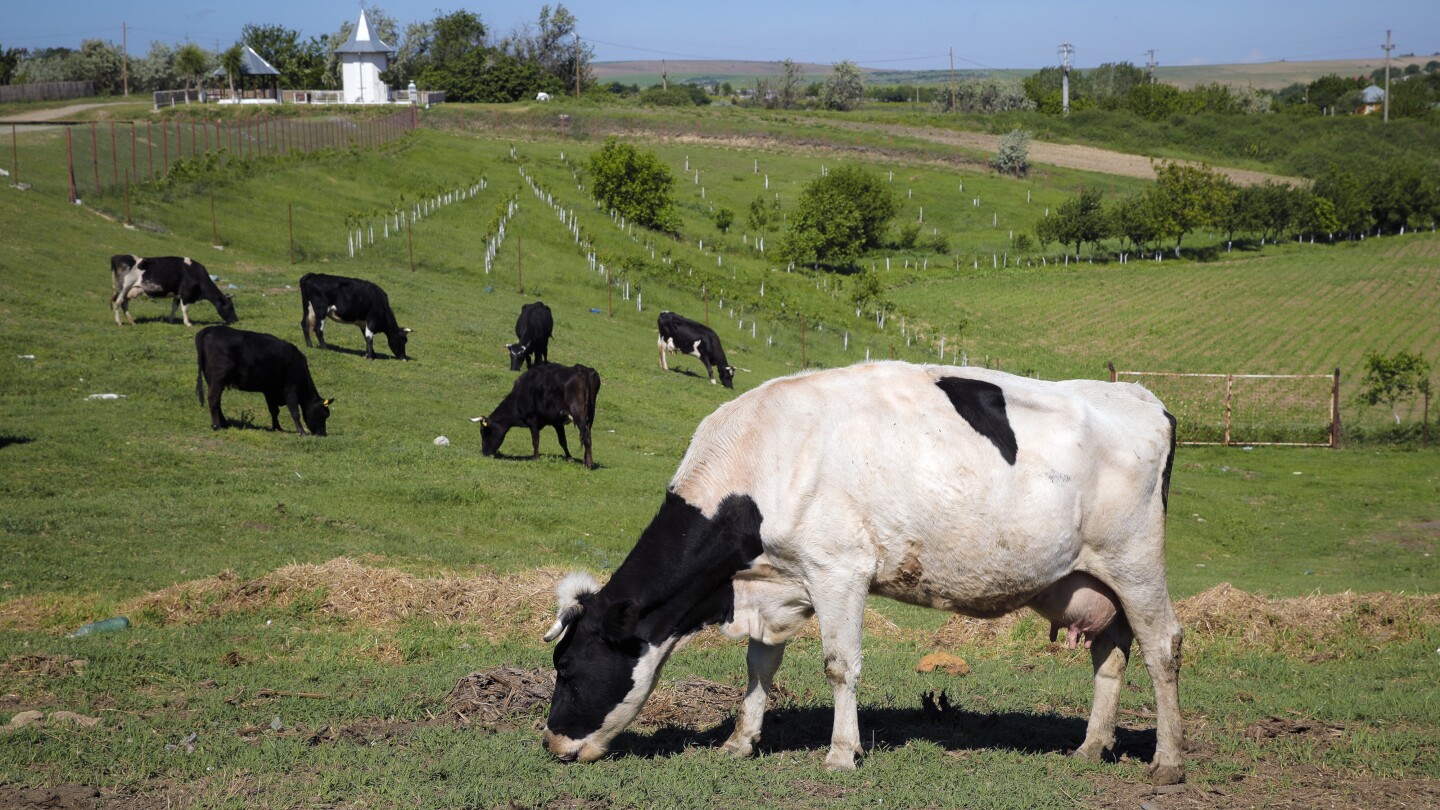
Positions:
{"x": 369, "y": 342}
{"x": 535, "y": 441}
{"x": 294, "y": 406}
{"x": 840, "y": 609}
{"x": 174, "y": 305}
{"x": 1109, "y": 653}
{"x": 663, "y": 364}
{"x": 184, "y": 314}
{"x": 761, "y": 662}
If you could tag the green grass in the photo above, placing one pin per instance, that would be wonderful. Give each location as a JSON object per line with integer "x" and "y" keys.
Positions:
{"x": 104, "y": 500}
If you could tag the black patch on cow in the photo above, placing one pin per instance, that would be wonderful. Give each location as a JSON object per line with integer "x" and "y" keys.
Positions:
{"x": 1169, "y": 464}
{"x": 982, "y": 404}
{"x": 675, "y": 581}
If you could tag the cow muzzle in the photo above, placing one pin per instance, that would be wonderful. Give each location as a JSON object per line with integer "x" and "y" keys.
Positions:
{"x": 568, "y": 750}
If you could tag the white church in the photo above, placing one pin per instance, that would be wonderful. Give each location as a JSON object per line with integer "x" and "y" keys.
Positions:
{"x": 362, "y": 57}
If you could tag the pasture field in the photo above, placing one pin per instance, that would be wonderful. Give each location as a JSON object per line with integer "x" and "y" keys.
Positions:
{"x": 308, "y": 613}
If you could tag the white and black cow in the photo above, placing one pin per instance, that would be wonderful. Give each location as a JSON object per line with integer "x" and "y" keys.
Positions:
{"x": 532, "y": 336}
{"x": 546, "y": 394}
{"x": 179, "y": 278}
{"x": 680, "y": 334}
{"x": 354, "y": 301}
{"x": 251, "y": 361}
{"x": 955, "y": 488}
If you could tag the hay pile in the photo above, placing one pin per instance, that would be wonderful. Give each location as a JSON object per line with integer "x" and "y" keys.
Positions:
{"x": 1226, "y": 613}
{"x": 344, "y": 588}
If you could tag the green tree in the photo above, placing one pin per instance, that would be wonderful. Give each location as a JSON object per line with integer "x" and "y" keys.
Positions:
{"x": 1186, "y": 197}
{"x": 1013, "y": 154}
{"x": 826, "y": 227}
{"x": 1349, "y": 196}
{"x": 1155, "y": 102}
{"x": 634, "y": 184}
{"x": 555, "y": 49}
{"x": 764, "y": 214}
{"x": 232, "y": 61}
{"x": 454, "y": 58}
{"x": 843, "y": 88}
{"x": 1318, "y": 215}
{"x": 1131, "y": 219}
{"x": 724, "y": 218}
{"x": 1079, "y": 219}
{"x": 1389, "y": 380}
{"x": 191, "y": 63}
{"x": 787, "y": 87}
{"x": 9, "y": 60}
{"x": 1280, "y": 208}
{"x": 1110, "y": 83}
{"x": 299, "y": 63}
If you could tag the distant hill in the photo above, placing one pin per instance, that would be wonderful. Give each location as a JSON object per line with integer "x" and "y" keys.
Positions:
{"x": 739, "y": 72}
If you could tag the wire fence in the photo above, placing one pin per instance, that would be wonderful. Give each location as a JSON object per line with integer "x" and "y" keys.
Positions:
{"x": 1299, "y": 410}
{"x": 75, "y": 159}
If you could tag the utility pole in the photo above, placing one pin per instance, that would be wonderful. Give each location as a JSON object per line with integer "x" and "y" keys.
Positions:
{"x": 1066, "y": 52}
{"x": 125, "y": 58}
{"x": 1388, "y": 48}
{"x": 1150, "y": 66}
{"x": 664, "y": 77}
{"x": 577, "y": 65}
{"x": 952, "y": 80}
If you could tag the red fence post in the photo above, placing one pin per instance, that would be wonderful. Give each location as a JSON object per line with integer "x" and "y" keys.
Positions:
{"x": 15, "y": 150}
{"x": 95, "y": 153}
{"x": 1335, "y": 410}
{"x": 114, "y": 155}
{"x": 214, "y": 228}
{"x": 165, "y": 146}
{"x": 291, "y": 208}
{"x": 134, "y": 161}
{"x": 70, "y": 162}
{"x": 150, "y": 148}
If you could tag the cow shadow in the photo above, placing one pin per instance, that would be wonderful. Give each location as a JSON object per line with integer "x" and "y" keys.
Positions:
{"x": 6, "y": 440}
{"x": 545, "y": 457}
{"x": 808, "y": 729}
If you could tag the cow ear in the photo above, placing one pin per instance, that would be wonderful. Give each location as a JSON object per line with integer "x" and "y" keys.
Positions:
{"x": 620, "y": 620}
{"x": 408, "y": 330}
{"x": 326, "y": 402}
{"x": 484, "y": 422}
{"x": 572, "y": 594}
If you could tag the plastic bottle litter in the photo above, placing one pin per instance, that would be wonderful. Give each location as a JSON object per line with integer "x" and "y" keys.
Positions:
{"x": 104, "y": 626}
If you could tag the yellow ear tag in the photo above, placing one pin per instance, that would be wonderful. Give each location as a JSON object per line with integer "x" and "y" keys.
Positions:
{"x": 327, "y": 402}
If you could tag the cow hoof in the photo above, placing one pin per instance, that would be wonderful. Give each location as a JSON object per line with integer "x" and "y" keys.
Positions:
{"x": 1162, "y": 775}
{"x": 1089, "y": 752}
{"x": 739, "y": 748}
{"x": 840, "y": 761}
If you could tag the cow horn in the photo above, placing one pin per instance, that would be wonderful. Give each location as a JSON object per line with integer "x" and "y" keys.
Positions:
{"x": 407, "y": 330}
{"x": 568, "y": 594}
{"x": 737, "y": 368}
{"x": 481, "y": 419}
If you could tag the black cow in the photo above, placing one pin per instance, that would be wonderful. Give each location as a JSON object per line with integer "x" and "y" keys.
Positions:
{"x": 546, "y": 394}
{"x": 251, "y": 361}
{"x": 680, "y": 334}
{"x": 532, "y": 333}
{"x": 179, "y": 278}
{"x": 349, "y": 300}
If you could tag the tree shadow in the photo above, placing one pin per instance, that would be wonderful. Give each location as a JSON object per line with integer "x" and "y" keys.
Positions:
{"x": 808, "y": 728}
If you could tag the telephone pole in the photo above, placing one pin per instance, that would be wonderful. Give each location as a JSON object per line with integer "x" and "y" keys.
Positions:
{"x": 1066, "y": 52}
{"x": 952, "y": 80}
{"x": 1150, "y": 66}
{"x": 1388, "y": 48}
{"x": 577, "y": 65}
{"x": 125, "y": 58}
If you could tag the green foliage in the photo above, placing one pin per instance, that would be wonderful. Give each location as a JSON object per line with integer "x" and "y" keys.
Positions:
{"x": 909, "y": 234}
{"x": 1076, "y": 221}
{"x": 192, "y": 63}
{"x": 678, "y": 95}
{"x": 634, "y": 184}
{"x": 1349, "y": 198}
{"x": 764, "y": 213}
{"x": 1391, "y": 379}
{"x": 301, "y": 63}
{"x": 840, "y": 214}
{"x": 553, "y": 48}
{"x": 843, "y": 88}
{"x": 1186, "y": 197}
{"x": 232, "y": 61}
{"x": 1012, "y": 157}
{"x": 724, "y": 218}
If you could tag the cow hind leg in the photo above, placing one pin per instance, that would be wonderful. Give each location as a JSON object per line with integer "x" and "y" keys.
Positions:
{"x": 761, "y": 662}
{"x": 535, "y": 442}
{"x": 560, "y": 434}
{"x": 1109, "y": 653}
{"x": 840, "y": 608}
{"x": 1153, "y": 620}
{"x": 217, "y": 419}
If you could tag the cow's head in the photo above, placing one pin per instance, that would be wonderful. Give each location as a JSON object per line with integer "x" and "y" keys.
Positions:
{"x": 603, "y": 670}
{"x": 517, "y": 354}
{"x": 491, "y": 435}
{"x": 315, "y": 413}
{"x": 397, "y": 339}
{"x": 727, "y": 376}
{"x": 226, "y": 307}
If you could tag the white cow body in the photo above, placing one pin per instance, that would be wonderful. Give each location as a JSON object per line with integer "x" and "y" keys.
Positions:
{"x": 870, "y": 480}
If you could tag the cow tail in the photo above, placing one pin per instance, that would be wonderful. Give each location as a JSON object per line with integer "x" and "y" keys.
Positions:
{"x": 1169, "y": 465}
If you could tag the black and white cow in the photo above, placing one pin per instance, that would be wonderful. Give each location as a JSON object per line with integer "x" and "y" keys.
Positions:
{"x": 251, "y": 361}
{"x": 680, "y": 334}
{"x": 349, "y": 300}
{"x": 955, "y": 488}
{"x": 179, "y": 278}
{"x": 546, "y": 394}
{"x": 532, "y": 336}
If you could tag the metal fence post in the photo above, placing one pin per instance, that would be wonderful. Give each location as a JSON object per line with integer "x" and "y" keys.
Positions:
{"x": 1335, "y": 410}
{"x": 1229, "y": 396}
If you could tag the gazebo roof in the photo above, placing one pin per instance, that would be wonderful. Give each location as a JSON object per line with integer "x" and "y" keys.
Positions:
{"x": 362, "y": 41}
{"x": 253, "y": 64}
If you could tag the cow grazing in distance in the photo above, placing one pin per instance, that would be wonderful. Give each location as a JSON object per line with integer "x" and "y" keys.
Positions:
{"x": 354, "y": 301}
{"x": 680, "y": 334}
{"x": 251, "y": 361}
{"x": 532, "y": 336}
{"x": 547, "y": 394}
{"x": 956, "y": 488}
{"x": 179, "y": 278}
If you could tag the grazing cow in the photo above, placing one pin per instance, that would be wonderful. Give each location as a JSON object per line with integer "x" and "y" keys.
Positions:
{"x": 542, "y": 96}
{"x": 532, "y": 332}
{"x": 349, "y": 300}
{"x": 680, "y": 334}
{"x": 179, "y": 278}
{"x": 961, "y": 489}
{"x": 251, "y": 361}
{"x": 548, "y": 394}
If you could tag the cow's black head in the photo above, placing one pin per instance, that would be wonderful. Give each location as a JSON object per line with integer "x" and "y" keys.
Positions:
{"x": 491, "y": 435}
{"x": 517, "y": 354}
{"x": 603, "y": 671}
{"x": 727, "y": 376}
{"x": 316, "y": 413}
{"x": 397, "y": 339}
{"x": 226, "y": 307}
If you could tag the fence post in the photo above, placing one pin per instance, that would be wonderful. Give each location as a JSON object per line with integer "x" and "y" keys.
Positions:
{"x": 134, "y": 161}
{"x": 802, "y": 341}
{"x": 291, "y": 208}
{"x": 410, "y": 234}
{"x": 150, "y": 149}
{"x": 519, "y": 268}
{"x": 1229, "y": 392}
{"x": 95, "y": 153}
{"x": 1111, "y": 366}
{"x": 114, "y": 155}
{"x": 214, "y": 228}
{"x": 15, "y": 152}
{"x": 70, "y": 162}
{"x": 1335, "y": 410}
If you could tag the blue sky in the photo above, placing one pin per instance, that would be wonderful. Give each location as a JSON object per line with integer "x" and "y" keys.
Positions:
{"x": 903, "y": 36}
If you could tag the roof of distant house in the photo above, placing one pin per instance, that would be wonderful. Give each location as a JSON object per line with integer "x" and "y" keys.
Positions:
{"x": 252, "y": 64}
{"x": 1373, "y": 94}
{"x": 362, "y": 41}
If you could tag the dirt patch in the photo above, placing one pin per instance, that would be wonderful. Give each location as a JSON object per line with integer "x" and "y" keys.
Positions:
{"x": 60, "y": 797}
{"x": 45, "y": 666}
{"x": 1296, "y": 626}
{"x": 1271, "y": 786}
